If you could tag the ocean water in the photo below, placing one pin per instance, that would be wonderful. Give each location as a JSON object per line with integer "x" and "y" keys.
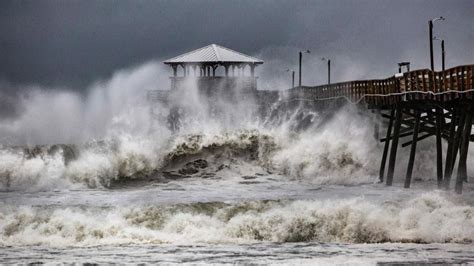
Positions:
{"x": 102, "y": 179}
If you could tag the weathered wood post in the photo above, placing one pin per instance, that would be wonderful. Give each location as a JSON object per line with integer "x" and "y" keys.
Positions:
{"x": 393, "y": 150}
{"x": 457, "y": 141}
{"x": 387, "y": 144}
{"x": 439, "y": 147}
{"x": 411, "y": 160}
{"x": 462, "y": 168}
{"x": 448, "y": 171}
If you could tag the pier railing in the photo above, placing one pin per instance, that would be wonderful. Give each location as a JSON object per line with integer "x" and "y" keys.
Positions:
{"x": 424, "y": 84}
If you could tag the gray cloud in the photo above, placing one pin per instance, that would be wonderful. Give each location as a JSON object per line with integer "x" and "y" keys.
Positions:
{"x": 73, "y": 43}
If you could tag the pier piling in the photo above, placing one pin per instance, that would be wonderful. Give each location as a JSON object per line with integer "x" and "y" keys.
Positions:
{"x": 462, "y": 168}
{"x": 394, "y": 147}
{"x": 439, "y": 147}
{"x": 411, "y": 160}
{"x": 387, "y": 144}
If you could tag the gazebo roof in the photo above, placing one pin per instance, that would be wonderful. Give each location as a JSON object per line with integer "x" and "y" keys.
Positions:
{"x": 213, "y": 54}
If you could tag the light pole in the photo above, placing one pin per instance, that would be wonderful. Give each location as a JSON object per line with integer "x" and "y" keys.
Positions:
{"x": 329, "y": 69}
{"x": 301, "y": 58}
{"x": 439, "y": 111}
{"x": 292, "y": 77}
{"x": 443, "y": 53}
{"x": 430, "y": 24}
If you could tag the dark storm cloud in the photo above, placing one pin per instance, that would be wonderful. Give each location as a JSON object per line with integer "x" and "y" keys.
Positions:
{"x": 73, "y": 43}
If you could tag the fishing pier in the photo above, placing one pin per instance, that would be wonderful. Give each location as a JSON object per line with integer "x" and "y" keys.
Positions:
{"x": 418, "y": 105}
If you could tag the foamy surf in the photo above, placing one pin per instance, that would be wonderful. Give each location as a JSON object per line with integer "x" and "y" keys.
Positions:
{"x": 428, "y": 218}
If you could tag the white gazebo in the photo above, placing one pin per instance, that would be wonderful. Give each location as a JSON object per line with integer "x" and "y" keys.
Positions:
{"x": 201, "y": 64}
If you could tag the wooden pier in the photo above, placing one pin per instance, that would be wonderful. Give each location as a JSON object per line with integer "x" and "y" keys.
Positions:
{"x": 418, "y": 105}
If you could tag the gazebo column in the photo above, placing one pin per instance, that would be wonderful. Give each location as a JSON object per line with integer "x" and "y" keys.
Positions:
{"x": 214, "y": 67}
{"x": 252, "y": 70}
{"x": 233, "y": 70}
{"x": 226, "y": 70}
{"x": 184, "y": 70}
{"x": 194, "y": 70}
{"x": 175, "y": 70}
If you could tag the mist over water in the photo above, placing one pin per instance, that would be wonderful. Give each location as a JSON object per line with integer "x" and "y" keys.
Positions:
{"x": 110, "y": 133}
{"x": 108, "y": 108}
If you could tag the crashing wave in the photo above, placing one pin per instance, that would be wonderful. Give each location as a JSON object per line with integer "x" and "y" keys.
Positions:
{"x": 100, "y": 164}
{"x": 108, "y": 163}
{"x": 301, "y": 145}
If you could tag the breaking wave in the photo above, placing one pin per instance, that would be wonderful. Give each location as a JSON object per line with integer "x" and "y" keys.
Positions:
{"x": 429, "y": 218}
{"x": 103, "y": 163}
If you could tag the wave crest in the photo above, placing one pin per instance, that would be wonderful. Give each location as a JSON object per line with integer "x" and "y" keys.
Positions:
{"x": 429, "y": 218}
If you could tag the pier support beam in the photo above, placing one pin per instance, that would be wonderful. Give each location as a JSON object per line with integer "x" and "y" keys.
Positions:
{"x": 386, "y": 146}
{"x": 411, "y": 160}
{"x": 439, "y": 147}
{"x": 462, "y": 168}
{"x": 393, "y": 150}
{"x": 449, "y": 165}
{"x": 456, "y": 144}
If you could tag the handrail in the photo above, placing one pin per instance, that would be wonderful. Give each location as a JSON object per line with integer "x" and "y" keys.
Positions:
{"x": 422, "y": 84}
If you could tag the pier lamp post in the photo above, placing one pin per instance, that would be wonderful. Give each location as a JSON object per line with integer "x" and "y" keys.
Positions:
{"x": 443, "y": 53}
{"x": 439, "y": 111}
{"x": 329, "y": 69}
{"x": 292, "y": 77}
{"x": 430, "y": 24}
{"x": 301, "y": 58}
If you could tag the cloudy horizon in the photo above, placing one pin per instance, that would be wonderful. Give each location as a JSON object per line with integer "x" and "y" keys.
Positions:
{"x": 72, "y": 44}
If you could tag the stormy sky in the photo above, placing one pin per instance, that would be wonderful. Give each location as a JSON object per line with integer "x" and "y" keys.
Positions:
{"x": 67, "y": 43}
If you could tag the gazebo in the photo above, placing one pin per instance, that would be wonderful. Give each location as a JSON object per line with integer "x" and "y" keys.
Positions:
{"x": 202, "y": 64}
